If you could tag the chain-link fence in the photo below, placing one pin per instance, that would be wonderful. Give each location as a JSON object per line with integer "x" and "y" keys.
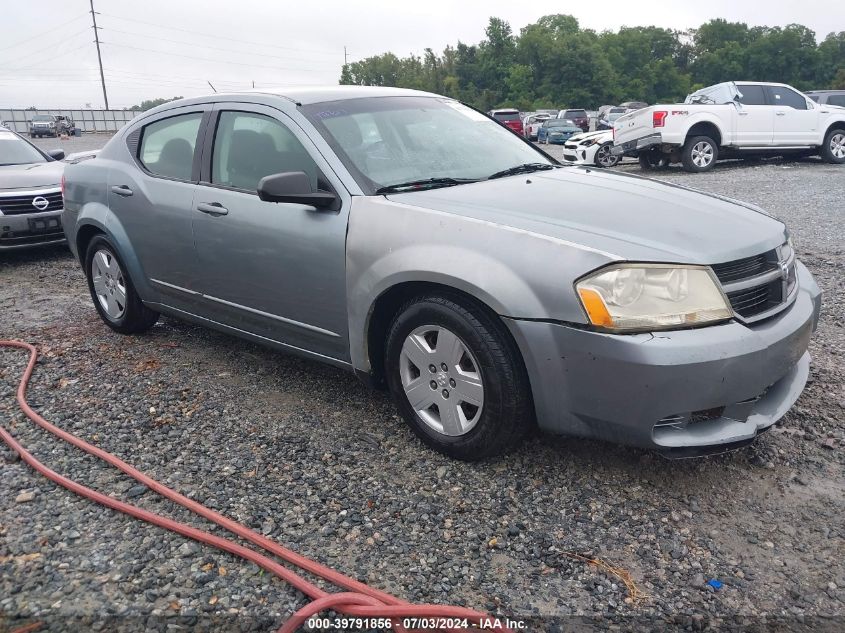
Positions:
{"x": 86, "y": 120}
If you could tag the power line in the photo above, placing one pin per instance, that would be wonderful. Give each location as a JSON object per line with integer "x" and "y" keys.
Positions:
{"x": 219, "y": 37}
{"x": 216, "y": 61}
{"x": 40, "y": 34}
{"x": 41, "y": 50}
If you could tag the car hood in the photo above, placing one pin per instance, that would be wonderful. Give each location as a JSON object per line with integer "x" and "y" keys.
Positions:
{"x": 31, "y": 176}
{"x": 624, "y": 216}
{"x": 597, "y": 135}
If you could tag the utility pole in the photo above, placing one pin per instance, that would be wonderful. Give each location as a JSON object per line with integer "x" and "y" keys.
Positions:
{"x": 99, "y": 57}
{"x": 345, "y": 57}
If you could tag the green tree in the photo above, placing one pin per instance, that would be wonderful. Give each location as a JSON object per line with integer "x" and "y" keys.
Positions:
{"x": 149, "y": 104}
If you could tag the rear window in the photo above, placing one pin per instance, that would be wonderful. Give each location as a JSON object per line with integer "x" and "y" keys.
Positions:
{"x": 752, "y": 95}
{"x": 575, "y": 114}
{"x": 506, "y": 116}
{"x": 837, "y": 100}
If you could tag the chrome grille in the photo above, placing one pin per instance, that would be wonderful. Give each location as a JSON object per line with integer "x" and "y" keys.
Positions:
{"x": 19, "y": 204}
{"x": 761, "y": 285}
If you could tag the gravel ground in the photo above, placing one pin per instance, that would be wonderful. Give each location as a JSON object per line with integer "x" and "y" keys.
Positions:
{"x": 307, "y": 455}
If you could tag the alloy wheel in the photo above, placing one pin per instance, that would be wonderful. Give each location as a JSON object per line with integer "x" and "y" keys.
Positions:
{"x": 442, "y": 380}
{"x": 109, "y": 283}
{"x": 605, "y": 157}
{"x": 837, "y": 145}
{"x": 702, "y": 154}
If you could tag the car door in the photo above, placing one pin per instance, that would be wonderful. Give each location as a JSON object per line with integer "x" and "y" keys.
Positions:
{"x": 754, "y": 118}
{"x": 796, "y": 118}
{"x": 277, "y": 270}
{"x": 152, "y": 196}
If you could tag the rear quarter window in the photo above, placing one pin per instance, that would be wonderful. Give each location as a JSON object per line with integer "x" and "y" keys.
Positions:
{"x": 167, "y": 145}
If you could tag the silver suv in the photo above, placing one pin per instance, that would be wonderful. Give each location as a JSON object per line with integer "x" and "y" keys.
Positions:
{"x": 411, "y": 239}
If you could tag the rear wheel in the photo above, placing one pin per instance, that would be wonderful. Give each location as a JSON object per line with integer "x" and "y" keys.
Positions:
{"x": 833, "y": 148}
{"x": 653, "y": 159}
{"x": 604, "y": 157}
{"x": 114, "y": 295}
{"x": 457, "y": 377}
{"x": 699, "y": 154}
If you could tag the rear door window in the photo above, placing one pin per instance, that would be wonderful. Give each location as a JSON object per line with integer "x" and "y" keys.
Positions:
{"x": 167, "y": 146}
{"x": 752, "y": 95}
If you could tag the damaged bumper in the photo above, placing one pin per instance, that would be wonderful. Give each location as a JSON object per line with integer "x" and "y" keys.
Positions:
{"x": 682, "y": 393}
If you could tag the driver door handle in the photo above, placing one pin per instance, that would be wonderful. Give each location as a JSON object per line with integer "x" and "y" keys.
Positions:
{"x": 122, "y": 190}
{"x": 212, "y": 208}
{"x": 781, "y": 113}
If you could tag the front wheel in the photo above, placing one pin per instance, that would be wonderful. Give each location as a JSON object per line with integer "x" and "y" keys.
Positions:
{"x": 457, "y": 377}
{"x": 114, "y": 295}
{"x": 833, "y": 149}
{"x": 604, "y": 156}
{"x": 699, "y": 154}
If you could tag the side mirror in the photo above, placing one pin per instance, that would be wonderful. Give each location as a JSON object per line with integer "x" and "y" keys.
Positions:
{"x": 56, "y": 154}
{"x": 293, "y": 187}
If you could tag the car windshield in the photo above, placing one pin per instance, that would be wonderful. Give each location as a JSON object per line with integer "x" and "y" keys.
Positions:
{"x": 16, "y": 151}
{"x": 385, "y": 141}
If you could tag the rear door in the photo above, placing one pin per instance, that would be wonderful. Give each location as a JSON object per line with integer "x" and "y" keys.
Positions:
{"x": 152, "y": 196}
{"x": 277, "y": 270}
{"x": 754, "y": 120}
{"x": 796, "y": 121}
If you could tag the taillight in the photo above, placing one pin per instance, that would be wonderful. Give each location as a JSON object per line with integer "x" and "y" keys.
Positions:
{"x": 658, "y": 118}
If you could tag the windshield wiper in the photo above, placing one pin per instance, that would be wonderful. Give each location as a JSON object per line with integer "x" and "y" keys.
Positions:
{"x": 425, "y": 183}
{"x": 525, "y": 168}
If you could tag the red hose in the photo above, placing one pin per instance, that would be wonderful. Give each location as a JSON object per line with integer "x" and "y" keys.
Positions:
{"x": 359, "y": 600}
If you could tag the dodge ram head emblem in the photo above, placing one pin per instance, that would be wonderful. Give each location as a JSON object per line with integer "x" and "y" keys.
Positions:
{"x": 40, "y": 203}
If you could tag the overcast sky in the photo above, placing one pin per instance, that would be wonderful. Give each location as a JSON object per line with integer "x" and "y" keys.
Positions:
{"x": 155, "y": 48}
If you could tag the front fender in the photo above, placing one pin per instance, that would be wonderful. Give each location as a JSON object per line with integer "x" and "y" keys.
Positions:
{"x": 515, "y": 273}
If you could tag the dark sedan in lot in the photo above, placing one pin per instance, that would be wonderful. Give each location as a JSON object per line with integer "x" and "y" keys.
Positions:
{"x": 30, "y": 193}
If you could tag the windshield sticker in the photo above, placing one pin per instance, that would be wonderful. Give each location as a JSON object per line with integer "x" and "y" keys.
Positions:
{"x": 467, "y": 112}
{"x": 331, "y": 114}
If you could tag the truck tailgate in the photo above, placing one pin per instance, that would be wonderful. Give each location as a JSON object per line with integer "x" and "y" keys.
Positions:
{"x": 633, "y": 125}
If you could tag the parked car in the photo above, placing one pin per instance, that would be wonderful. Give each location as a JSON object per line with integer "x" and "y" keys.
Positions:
{"x": 65, "y": 125}
{"x": 591, "y": 148}
{"x": 485, "y": 291}
{"x": 731, "y": 120}
{"x": 43, "y": 125}
{"x": 557, "y": 131}
{"x": 30, "y": 193}
{"x": 631, "y": 106}
{"x": 533, "y": 123}
{"x": 577, "y": 117}
{"x": 828, "y": 97}
{"x": 509, "y": 118}
{"x": 605, "y": 122}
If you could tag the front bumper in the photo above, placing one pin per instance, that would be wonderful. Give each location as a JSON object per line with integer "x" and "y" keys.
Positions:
{"x": 579, "y": 154}
{"x": 30, "y": 229}
{"x": 639, "y": 144}
{"x": 43, "y": 130}
{"x": 684, "y": 392}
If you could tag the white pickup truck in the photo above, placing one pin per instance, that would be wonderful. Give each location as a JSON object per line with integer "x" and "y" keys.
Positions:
{"x": 731, "y": 120}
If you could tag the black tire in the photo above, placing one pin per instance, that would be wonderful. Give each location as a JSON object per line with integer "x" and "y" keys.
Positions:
{"x": 695, "y": 152}
{"x": 610, "y": 161}
{"x": 507, "y": 412}
{"x": 834, "y": 137}
{"x": 136, "y": 317}
{"x": 652, "y": 159}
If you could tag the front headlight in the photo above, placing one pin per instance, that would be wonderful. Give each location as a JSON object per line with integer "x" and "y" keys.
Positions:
{"x": 588, "y": 142}
{"x": 631, "y": 297}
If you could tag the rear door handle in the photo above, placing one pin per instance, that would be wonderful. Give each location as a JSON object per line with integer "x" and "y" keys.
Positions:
{"x": 743, "y": 113}
{"x": 781, "y": 113}
{"x": 212, "y": 208}
{"x": 122, "y": 190}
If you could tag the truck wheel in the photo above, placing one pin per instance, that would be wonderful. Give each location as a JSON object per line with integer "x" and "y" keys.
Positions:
{"x": 833, "y": 149}
{"x": 653, "y": 159}
{"x": 699, "y": 154}
{"x": 114, "y": 295}
{"x": 604, "y": 158}
{"x": 457, "y": 377}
